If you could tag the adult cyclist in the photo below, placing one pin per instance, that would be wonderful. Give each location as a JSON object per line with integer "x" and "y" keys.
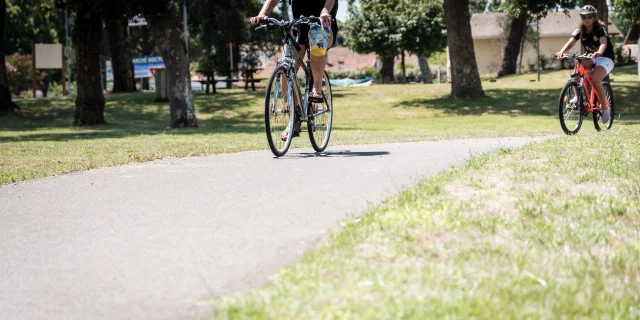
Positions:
{"x": 326, "y": 10}
{"x": 595, "y": 41}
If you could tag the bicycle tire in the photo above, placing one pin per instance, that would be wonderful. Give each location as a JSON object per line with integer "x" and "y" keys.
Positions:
{"x": 562, "y": 108}
{"x": 270, "y": 112}
{"x": 320, "y": 146}
{"x": 597, "y": 115}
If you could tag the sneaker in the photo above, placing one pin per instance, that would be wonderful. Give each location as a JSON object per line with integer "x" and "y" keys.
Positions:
{"x": 606, "y": 115}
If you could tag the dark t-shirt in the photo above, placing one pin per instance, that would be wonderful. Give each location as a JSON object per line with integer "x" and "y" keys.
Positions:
{"x": 310, "y": 8}
{"x": 591, "y": 41}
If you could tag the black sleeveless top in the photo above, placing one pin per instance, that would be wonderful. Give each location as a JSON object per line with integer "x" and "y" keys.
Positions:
{"x": 310, "y": 8}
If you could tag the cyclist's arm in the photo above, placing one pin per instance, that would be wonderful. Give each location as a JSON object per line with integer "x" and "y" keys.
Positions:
{"x": 328, "y": 6}
{"x": 567, "y": 46}
{"x": 603, "y": 45}
{"x": 268, "y": 7}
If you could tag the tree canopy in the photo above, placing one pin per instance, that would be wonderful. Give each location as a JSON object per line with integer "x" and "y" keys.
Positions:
{"x": 31, "y": 22}
{"x": 536, "y": 8}
{"x": 628, "y": 10}
{"x": 389, "y": 27}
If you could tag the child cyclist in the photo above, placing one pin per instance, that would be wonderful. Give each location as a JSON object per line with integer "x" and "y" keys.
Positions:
{"x": 595, "y": 41}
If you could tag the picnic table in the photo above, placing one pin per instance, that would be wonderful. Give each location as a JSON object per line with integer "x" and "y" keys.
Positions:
{"x": 233, "y": 75}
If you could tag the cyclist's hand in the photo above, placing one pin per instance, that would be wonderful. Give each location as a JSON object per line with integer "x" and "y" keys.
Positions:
{"x": 256, "y": 19}
{"x": 326, "y": 18}
{"x": 596, "y": 55}
{"x": 559, "y": 55}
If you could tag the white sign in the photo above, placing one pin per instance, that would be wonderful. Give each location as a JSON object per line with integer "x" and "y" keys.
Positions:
{"x": 48, "y": 56}
{"x": 137, "y": 21}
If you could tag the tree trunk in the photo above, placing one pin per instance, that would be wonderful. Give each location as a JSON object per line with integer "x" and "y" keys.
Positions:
{"x": 514, "y": 41}
{"x": 425, "y": 71}
{"x": 522, "y": 42}
{"x": 6, "y": 104}
{"x": 387, "y": 69}
{"x": 603, "y": 10}
{"x": 120, "y": 55}
{"x": 465, "y": 79}
{"x": 86, "y": 39}
{"x": 166, "y": 30}
{"x": 404, "y": 68}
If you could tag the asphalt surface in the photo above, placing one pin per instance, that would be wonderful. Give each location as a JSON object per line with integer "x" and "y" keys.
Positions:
{"x": 155, "y": 240}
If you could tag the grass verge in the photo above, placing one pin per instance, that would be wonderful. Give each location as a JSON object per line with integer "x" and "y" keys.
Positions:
{"x": 551, "y": 230}
{"x": 39, "y": 141}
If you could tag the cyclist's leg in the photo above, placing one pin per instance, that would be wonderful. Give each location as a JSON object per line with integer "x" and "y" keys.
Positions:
{"x": 602, "y": 67}
{"x": 317, "y": 68}
{"x": 285, "y": 82}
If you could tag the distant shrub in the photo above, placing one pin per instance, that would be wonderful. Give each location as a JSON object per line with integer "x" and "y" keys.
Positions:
{"x": 368, "y": 72}
{"x": 19, "y": 73}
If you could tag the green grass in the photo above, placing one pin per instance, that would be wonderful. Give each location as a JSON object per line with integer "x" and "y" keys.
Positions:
{"x": 549, "y": 231}
{"x": 40, "y": 142}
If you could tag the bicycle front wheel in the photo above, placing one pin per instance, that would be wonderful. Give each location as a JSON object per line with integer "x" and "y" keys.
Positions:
{"x": 597, "y": 115}
{"x": 278, "y": 113}
{"x": 570, "y": 109}
{"x": 321, "y": 118}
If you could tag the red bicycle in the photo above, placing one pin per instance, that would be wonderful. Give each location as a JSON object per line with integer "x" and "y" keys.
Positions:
{"x": 574, "y": 105}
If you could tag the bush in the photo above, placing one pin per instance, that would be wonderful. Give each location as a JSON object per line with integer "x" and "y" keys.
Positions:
{"x": 368, "y": 72}
{"x": 19, "y": 73}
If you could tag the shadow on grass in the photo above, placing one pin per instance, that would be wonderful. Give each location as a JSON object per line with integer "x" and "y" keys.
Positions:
{"x": 518, "y": 102}
{"x": 133, "y": 114}
{"x": 513, "y": 102}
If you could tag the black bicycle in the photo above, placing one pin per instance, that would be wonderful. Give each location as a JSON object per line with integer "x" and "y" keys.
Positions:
{"x": 285, "y": 108}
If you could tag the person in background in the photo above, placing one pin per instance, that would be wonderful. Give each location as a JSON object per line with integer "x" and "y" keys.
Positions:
{"x": 596, "y": 42}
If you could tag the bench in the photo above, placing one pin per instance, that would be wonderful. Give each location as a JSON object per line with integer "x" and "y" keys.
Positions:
{"x": 246, "y": 77}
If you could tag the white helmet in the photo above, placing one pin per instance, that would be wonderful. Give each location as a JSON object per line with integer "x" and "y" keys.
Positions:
{"x": 588, "y": 9}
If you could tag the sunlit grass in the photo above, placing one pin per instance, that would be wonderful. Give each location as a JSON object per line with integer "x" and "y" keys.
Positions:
{"x": 546, "y": 231}
{"x": 40, "y": 140}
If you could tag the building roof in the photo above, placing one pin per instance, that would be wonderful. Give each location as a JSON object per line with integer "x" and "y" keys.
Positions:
{"x": 563, "y": 23}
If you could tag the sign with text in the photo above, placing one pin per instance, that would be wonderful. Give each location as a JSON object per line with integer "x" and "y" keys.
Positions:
{"x": 142, "y": 66}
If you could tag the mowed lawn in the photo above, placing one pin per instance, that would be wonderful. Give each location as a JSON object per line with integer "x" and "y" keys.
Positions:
{"x": 40, "y": 141}
{"x": 548, "y": 231}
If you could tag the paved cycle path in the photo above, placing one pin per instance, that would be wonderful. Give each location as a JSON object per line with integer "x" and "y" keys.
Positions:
{"x": 154, "y": 240}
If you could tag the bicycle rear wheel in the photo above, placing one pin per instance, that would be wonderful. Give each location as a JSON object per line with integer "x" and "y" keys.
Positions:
{"x": 570, "y": 108}
{"x": 597, "y": 115}
{"x": 278, "y": 113}
{"x": 321, "y": 118}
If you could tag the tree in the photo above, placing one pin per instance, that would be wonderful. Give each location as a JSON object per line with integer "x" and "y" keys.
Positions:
{"x": 86, "y": 38}
{"x": 425, "y": 71}
{"x": 6, "y": 104}
{"x": 465, "y": 79}
{"x": 423, "y": 33}
{"x": 520, "y": 13}
{"x": 517, "y": 30}
{"x": 373, "y": 28}
{"x": 166, "y": 28}
{"x": 115, "y": 22}
{"x": 628, "y": 10}
{"x": 31, "y": 22}
{"x": 391, "y": 27}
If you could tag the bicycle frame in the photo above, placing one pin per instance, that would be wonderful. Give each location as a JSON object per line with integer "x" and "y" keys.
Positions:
{"x": 290, "y": 58}
{"x": 591, "y": 92}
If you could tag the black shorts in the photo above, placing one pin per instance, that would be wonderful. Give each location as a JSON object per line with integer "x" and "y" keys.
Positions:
{"x": 306, "y": 10}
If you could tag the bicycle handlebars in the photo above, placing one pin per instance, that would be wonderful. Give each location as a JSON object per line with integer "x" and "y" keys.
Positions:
{"x": 287, "y": 25}
{"x": 577, "y": 57}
